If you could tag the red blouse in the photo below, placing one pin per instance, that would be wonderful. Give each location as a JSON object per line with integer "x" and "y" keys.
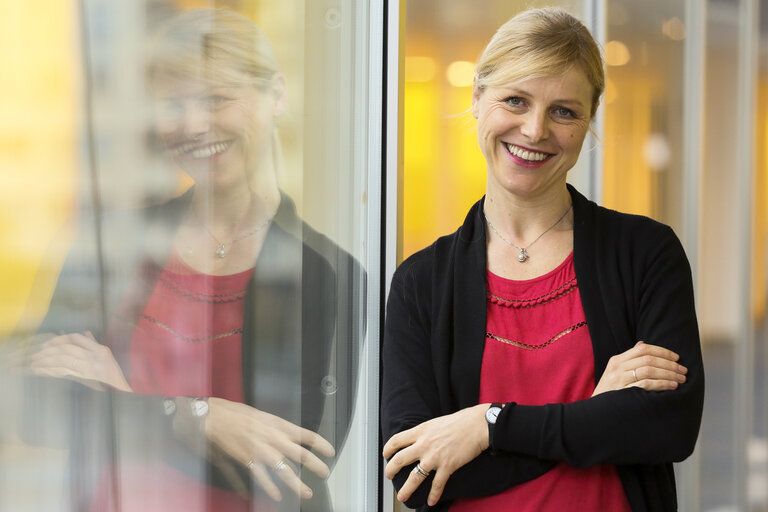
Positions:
{"x": 538, "y": 351}
{"x": 187, "y": 342}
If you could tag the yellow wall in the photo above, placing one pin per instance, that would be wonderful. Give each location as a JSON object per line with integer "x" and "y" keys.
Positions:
{"x": 38, "y": 135}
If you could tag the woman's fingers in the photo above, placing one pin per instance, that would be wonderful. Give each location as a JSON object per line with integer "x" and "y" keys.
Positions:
{"x": 294, "y": 483}
{"x": 438, "y": 484}
{"x": 316, "y": 442}
{"x": 642, "y": 348}
{"x": 399, "y": 441}
{"x": 401, "y": 459}
{"x": 262, "y": 477}
{"x": 306, "y": 458}
{"x": 299, "y": 435}
{"x": 655, "y": 379}
{"x": 415, "y": 479}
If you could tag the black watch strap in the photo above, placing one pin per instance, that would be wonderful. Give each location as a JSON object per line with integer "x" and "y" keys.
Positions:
{"x": 490, "y": 417}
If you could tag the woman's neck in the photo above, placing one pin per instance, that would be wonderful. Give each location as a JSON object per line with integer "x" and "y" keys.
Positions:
{"x": 227, "y": 213}
{"x": 522, "y": 219}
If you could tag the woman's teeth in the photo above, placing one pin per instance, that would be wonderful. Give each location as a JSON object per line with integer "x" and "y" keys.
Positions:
{"x": 531, "y": 156}
{"x": 197, "y": 151}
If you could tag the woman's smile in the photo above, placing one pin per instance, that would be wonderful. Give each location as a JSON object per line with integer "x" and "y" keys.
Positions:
{"x": 526, "y": 157}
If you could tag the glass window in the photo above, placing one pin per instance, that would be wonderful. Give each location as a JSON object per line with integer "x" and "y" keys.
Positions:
{"x": 186, "y": 316}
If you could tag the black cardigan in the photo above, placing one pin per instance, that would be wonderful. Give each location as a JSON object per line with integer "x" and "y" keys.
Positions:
{"x": 635, "y": 284}
{"x": 302, "y": 333}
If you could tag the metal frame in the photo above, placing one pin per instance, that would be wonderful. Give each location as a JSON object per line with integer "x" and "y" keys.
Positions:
{"x": 745, "y": 344}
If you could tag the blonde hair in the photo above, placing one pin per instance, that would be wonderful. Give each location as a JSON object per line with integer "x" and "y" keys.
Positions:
{"x": 538, "y": 43}
{"x": 217, "y": 46}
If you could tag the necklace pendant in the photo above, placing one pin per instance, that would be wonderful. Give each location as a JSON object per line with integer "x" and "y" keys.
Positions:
{"x": 220, "y": 252}
{"x": 523, "y": 256}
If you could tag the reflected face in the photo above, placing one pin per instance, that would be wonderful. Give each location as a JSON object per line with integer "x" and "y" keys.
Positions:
{"x": 531, "y": 131}
{"x": 218, "y": 134}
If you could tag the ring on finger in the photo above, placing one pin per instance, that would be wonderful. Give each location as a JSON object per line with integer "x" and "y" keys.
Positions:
{"x": 420, "y": 471}
{"x": 280, "y": 465}
{"x": 250, "y": 463}
{"x": 634, "y": 372}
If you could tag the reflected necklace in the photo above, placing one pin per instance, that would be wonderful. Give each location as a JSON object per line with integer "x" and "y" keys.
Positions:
{"x": 221, "y": 251}
{"x": 523, "y": 255}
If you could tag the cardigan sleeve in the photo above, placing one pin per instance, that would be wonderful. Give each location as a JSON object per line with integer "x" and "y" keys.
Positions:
{"x": 628, "y": 426}
{"x": 410, "y": 396}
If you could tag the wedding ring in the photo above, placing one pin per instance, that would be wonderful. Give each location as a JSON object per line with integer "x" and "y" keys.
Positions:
{"x": 250, "y": 464}
{"x": 634, "y": 372}
{"x": 419, "y": 471}
{"x": 280, "y": 465}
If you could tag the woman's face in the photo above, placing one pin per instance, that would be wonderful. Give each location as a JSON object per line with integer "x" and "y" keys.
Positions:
{"x": 531, "y": 131}
{"x": 220, "y": 135}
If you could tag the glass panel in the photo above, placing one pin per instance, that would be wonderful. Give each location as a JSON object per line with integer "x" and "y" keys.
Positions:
{"x": 185, "y": 309}
{"x": 720, "y": 292}
{"x": 643, "y": 135}
{"x": 757, "y": 449}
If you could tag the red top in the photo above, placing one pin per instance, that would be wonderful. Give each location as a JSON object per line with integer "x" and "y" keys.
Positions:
{"x": 538, "y": 351}
{"x": 187, "y": 342}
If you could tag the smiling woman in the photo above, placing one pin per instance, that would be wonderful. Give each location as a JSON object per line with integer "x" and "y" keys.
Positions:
{"x": 522, "y": 351}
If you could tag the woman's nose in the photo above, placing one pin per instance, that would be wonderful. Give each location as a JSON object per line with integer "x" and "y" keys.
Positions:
{"x": 535, "y": 126}
{"x": 196, "y": 120}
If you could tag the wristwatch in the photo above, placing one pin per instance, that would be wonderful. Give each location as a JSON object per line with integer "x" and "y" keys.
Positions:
{"x": 490, "y": 417}
{"x": 199, "y": 407}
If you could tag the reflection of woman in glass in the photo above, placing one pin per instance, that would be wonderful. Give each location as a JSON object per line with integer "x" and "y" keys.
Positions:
{"x": 240, "y": 328}
{"x": 545, "y": 357}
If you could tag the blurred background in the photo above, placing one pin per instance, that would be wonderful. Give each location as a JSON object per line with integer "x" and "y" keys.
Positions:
{"x": 681, "y": 137}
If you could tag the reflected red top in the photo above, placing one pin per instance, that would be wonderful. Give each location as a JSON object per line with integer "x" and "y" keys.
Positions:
{"x": 187, "y": 342}
{"x": 538, "y": 351}
{"x": 188, "y": 339}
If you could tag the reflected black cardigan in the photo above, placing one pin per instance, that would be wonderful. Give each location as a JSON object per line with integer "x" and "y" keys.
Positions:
{"x": 635, "y": 284}
{"x": 303, "y": 328}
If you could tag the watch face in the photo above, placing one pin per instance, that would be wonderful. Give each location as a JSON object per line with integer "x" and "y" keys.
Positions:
{"x": 199, "y": 408}
{"x": 169, "y": 406}
{"x": 492, "y": 413}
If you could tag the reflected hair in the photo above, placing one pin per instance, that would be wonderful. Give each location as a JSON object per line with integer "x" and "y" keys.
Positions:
{"x": 218, "y": 46}
{"x": 540, "y": 43}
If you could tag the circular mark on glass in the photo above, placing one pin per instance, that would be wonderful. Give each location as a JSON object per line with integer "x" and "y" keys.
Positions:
{"x": 328, "y": 385}
{"x": 333, "y": 18}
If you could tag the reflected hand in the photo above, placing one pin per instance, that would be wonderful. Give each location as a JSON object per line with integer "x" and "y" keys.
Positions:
{"x": 645, "y": 366}
{"x": 79, "y": 357}
{"x": 266, "y": 444}
{"x": 443, "y": 444}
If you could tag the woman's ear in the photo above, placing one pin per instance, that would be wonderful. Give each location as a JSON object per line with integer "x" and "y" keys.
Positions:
{"x": 278, "y": 89}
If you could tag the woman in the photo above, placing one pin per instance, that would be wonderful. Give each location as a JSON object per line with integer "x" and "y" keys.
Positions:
{"x": 227, "y": 339}
{"x": 545, "y": 356}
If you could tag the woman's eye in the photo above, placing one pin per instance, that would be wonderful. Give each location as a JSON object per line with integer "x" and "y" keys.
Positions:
{"x": 216, "y": 100}
{"x": 514, "y": 101}
{"x": 564, "y": 112}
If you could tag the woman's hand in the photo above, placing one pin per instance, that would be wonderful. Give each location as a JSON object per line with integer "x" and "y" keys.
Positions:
{"x": 79, "y": 357}
{"x": 645, "y": 366}
{"x": 266, "y": 444}
{"x": 442, "y": 444}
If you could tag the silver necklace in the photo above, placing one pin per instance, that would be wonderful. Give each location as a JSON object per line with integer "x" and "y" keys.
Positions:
{"x": 221, "y": 251}
{"x": 523, "y": 255}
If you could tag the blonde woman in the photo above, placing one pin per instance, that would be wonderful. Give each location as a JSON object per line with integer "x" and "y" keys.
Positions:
{"x": 545, "y": 356}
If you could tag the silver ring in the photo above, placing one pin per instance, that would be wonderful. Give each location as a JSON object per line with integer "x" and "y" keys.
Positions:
{"x": 250, "y": 463}
{"x": 280, "y": 465}
{"x": 634, "y": 372}
{"x": 419, "y": 471}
